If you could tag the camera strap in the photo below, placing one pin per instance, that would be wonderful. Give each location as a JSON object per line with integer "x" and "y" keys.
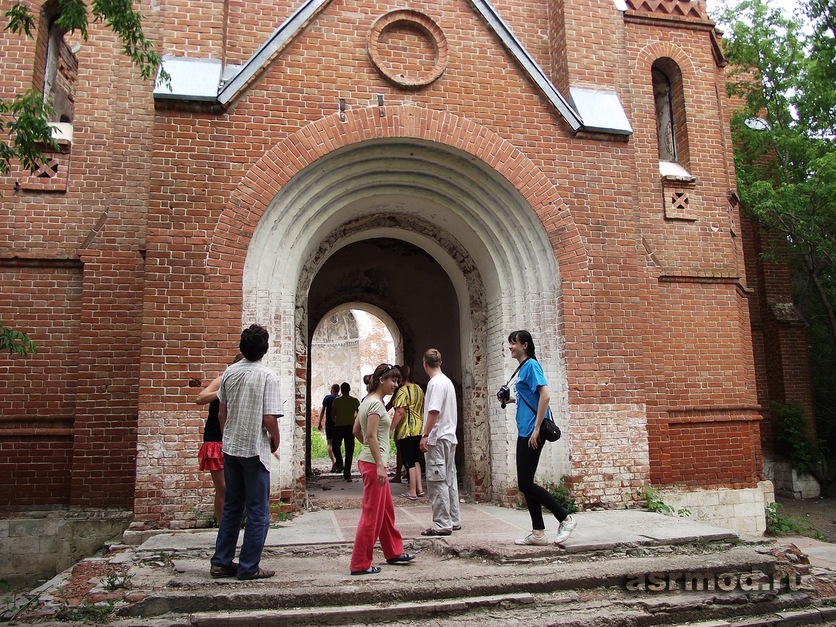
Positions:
{"x": 507, "y": 383}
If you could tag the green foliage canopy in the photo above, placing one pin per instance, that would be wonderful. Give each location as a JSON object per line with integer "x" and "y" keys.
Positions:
{"x": 783, "y": 69}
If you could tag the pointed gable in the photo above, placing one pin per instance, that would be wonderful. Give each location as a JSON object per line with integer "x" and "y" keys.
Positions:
{"x": 603, "y": 108}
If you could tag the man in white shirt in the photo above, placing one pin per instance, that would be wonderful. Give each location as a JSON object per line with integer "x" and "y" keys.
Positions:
{"x": 249, "y": 412}
{"x": 438, "y": 442}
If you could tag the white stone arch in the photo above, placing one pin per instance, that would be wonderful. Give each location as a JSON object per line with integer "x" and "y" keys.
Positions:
{"x": 378, "y": 313}
{"x": 464, "y": 214}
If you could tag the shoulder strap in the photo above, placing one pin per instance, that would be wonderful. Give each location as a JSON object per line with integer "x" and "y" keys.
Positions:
{"x": 548, "y": 415}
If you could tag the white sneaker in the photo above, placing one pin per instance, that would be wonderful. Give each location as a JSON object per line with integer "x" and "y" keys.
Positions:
{"x": 532, "y": 539}
{"x": 565, "y": 529}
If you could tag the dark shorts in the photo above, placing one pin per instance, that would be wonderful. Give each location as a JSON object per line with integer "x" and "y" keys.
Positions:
{"x": 329, "y": 429}
{"x": 410, "y": 448}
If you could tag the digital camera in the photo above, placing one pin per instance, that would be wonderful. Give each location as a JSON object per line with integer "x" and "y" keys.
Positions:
{"x": 503, "y": 395}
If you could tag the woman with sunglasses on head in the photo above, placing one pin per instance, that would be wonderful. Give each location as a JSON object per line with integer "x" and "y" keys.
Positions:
{"x": 532, "y": 404}
{"x": 377, "y": 518}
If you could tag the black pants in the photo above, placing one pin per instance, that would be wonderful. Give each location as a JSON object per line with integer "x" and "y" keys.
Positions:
{"x": 536, "y": 497}
{"x": 410, "y": 450}
{"x": 343, "y": 434}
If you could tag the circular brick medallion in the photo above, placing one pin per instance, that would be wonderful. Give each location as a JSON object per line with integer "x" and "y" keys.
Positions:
{"x": 407, "y": 48}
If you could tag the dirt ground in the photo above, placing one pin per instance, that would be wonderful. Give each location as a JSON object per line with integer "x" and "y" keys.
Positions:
{"x": 820, "y": 513}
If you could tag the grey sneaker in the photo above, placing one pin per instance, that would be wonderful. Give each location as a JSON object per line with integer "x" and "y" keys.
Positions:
{"x": 532, "y": 539}
{"x": 565, "y": 529}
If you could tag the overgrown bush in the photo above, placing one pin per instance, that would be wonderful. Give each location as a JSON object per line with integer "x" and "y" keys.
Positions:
{"x": 778, "y": 525}
{"x": 563, "y": 496}
{"x": 806, "y": 453}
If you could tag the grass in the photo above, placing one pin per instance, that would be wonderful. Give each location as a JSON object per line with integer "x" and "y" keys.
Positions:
{"x": 780, "y": 525}
{"x": 653, "y": 502}
{"x": 319, "y": 448}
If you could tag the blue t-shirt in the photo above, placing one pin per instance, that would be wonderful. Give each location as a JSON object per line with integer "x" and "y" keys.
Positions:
{"x": 530, "y": 377}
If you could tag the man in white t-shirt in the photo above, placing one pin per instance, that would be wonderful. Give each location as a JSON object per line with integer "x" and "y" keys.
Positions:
{"x": 438, "y": 442}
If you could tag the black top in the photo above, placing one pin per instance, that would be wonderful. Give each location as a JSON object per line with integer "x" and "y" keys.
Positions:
{"x": 328, "y": 404}
{"x": 212, "y": 430}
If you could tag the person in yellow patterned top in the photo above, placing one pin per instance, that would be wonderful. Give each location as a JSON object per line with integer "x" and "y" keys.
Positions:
{"x": 409, "y": 420}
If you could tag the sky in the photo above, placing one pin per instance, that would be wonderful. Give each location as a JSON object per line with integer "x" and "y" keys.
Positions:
{"x": 787, "y": 5}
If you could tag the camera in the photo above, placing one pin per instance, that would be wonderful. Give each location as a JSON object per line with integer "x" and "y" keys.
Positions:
{"x": 503, "y": 395}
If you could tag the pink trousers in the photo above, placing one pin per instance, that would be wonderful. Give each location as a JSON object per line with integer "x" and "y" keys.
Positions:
{"x": 377, "y": 520}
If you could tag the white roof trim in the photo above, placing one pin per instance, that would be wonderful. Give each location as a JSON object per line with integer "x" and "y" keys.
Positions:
{"x": 280, "y": 37}
{"x": 522, "y": 57}
{"x": 191, "y": 79}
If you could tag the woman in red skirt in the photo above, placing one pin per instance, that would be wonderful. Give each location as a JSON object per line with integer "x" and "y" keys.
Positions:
{"x": 210, "y": 456}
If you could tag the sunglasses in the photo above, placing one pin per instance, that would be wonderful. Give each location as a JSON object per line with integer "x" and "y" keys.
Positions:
{"x": 387, "y": 369}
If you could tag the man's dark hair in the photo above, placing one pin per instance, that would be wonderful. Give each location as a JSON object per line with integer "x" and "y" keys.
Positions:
{"x": 254, "y": 342}
{"x": 345, "y": 388}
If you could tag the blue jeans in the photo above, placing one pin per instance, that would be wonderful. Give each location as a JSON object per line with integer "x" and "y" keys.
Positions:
{"x": 247, "y": 486}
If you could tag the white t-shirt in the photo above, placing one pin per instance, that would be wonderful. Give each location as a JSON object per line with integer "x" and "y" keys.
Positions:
{"x": 441, "y": 397}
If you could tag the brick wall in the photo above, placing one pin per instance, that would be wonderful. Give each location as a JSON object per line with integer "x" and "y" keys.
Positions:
{"x": 647, "y": 320}
{"x": 37, "y": 393}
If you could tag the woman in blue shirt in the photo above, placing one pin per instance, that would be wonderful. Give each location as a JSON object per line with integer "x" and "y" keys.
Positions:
{"x": 533, "y": 396}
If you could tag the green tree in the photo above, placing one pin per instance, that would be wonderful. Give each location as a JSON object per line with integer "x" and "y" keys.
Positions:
{"x": 24, "y": 118}
{"x": 783, "y": 69}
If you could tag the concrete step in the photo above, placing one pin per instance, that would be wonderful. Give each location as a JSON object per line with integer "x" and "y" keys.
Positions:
{"x": 620, "y": 568}
{"x": 568, "y": 609}
{"x": 319, "y": 582}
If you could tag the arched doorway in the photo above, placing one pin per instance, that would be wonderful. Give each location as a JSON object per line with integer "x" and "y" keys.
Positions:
{"x": 490, "y": 249}
{"x": 346, "y": 343}
{"x": 400, "y": 282}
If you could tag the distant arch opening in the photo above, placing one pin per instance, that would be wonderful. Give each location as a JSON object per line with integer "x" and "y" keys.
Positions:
{"x": 348, "y": 343}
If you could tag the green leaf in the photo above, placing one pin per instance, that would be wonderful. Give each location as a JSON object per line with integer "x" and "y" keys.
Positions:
{"x": 15, "y": 342}
{"x": 19, "y": 20}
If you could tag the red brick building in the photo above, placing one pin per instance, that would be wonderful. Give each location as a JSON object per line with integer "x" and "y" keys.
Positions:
{"x": 466, "y": 168}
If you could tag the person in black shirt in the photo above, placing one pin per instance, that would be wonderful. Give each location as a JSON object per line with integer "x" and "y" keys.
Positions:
{"x": 210, "y": 456}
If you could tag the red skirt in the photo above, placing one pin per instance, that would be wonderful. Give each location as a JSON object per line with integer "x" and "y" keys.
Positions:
{"x": 211, "y": 456}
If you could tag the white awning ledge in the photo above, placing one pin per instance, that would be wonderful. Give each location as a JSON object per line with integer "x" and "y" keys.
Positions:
{"x": 600, "y": 110}
{"x": 191, "y": 79}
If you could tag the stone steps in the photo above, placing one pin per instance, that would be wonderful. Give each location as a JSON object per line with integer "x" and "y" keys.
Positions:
{"x": 582, "y": 589}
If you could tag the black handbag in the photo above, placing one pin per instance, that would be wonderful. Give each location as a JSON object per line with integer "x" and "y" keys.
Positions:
{"x": 549, "y": 430}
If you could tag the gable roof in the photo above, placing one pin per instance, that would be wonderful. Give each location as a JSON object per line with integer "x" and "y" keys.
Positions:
{"x": 187, "y": 84}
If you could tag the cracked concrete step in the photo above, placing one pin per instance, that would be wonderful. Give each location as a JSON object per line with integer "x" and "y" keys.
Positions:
{"x": 305, "y": 583}
{"x": 358, "y": 614}
{"x": 597, "y": 608}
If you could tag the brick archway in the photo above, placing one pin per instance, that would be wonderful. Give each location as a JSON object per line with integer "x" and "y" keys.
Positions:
{"x": 285, "y": 213}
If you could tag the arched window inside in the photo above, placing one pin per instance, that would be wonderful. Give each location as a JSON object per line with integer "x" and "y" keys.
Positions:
{"x": 60, "y": 73}
{"x": 669, "y": 100}
{"x": 664, "y": 115}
